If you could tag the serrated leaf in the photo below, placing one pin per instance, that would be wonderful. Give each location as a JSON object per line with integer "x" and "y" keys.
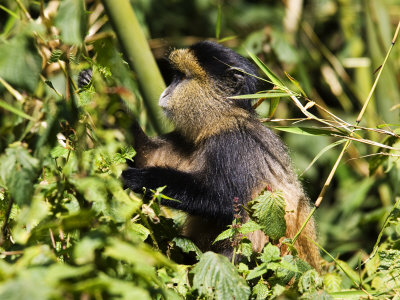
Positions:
{"x": 71, "y": 20}
{"x": 261, "y": 290}
{"x": 217, "y": 278}
{"x": 257, "y": 271}
{"x": 226, "y": 234}
{"x": 270, "y": 253}
{"x": 55, "y": 56}
{"x": 268, "y": 210}
{"x": 187, "y": 245}
{"x": 309, "y": 282}
{"x": 58, "y": 151}
{"x": 248, "y": 227}
{"x": 245, "y": 249}
{"x": 332, "y": 282}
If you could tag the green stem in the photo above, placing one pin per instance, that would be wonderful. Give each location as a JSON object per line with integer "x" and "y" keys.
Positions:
{"x": 139, "y": 56}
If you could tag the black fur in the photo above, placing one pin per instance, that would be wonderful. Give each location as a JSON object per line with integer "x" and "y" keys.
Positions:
{"x": 84, "y": 77}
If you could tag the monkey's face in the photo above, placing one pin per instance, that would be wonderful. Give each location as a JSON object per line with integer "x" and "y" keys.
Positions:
{"x": 198, "y": 96}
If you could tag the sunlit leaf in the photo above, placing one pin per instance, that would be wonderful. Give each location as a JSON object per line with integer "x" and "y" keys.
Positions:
{"x": 217, "y": 278}
{"x": 268, "y": 210}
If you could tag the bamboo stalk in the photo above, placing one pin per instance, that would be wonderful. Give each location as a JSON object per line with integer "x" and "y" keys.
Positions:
{"x": 138, "y": 54}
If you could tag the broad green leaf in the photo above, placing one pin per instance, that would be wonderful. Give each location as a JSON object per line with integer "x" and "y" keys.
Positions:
{"x": 261, "y": 290}
{"x": 187, "y": 245}
{"x": 270, "y": 253}
{"x": 248, "y": 227}
{"x": 20, "y": 63}
{"x": 215, "y": 277}
{"x": 28, "y": 284}
{"x": 59, "y": 151}
{"x": 140, "y": 254}
{"x": 257, "y": 271}
{"x": 84, "y": 250}
{"x": 226, "y": 234}
{"x": 29, "y": 217}
{"x": 268, "y": 210}
{"x": 332, "y": 282}
{"x": 310, "y": 282}
{"x": 71, "y": 20}
{"x": 19, "y": 171}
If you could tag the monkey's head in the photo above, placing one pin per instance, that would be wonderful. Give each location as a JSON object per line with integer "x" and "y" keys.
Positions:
{"x": 206, "y": 75}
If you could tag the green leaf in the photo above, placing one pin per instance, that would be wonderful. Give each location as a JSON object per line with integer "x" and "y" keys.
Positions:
{"x": 19, "y": 171}
{"x": 215, "y": 277}
{"x": 273, "y": 106}
{"x": 141, "y": 254}
{"x": 261, "y": 290}
{"x": 84, "y": 250}
{"x": 332, "y": 282}
{"x": 270, "y": 253}
{"x": 275, "y": 79}
{"x": 187, "y": 246}
{"x": 14, "y": 110}
{"x": 29, "y": 217}
{"x": 55, "y": 56}
{"x": 226, "y": 234}
{"x": 20, "y": 63}
{"x": 71, "y": 20}
{"x": 320, "y": 153}
{"x": 28, "y": 284}
{"x": 249, "y": 226}
{"x": 310, "y": 282}
{"x": 257, "y": 271}
{"x": 59, "y": 151}
{"x": 268, "y": 210}
{"x": 307, "y": 130}
{"x": 261, "y": 95}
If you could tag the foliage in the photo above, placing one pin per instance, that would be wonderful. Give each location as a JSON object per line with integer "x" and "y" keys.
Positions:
{"x": 70, "y": 231}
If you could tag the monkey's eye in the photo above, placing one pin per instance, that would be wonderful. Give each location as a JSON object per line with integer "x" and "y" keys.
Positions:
{"x": 179, "y": 76}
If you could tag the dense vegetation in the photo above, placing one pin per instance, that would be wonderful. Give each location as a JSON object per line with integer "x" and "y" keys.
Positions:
{"x": 70, "y": 231}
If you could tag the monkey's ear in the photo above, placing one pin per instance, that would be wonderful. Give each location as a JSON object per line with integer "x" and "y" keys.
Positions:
{"x": 237, "y": 77}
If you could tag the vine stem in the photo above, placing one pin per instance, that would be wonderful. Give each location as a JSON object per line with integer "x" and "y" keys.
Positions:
{"x": 346, "y": 145}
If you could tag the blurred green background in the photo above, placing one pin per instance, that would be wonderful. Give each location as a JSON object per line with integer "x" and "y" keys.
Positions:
{"x": 331, "y": 47}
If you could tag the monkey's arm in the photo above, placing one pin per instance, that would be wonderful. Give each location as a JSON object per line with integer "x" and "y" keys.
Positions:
{"x": 210, "y": 192}
{"x": 191, "y": 192}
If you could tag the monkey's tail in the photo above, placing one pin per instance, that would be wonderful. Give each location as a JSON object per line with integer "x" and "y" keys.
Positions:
{"x": 304, "y": 244}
